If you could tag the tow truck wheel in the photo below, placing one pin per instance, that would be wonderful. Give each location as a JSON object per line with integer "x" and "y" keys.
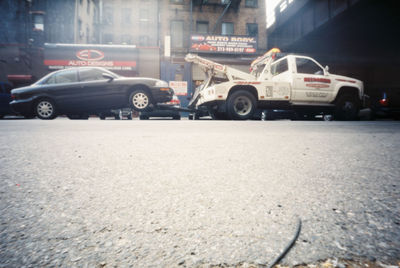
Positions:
{"x": 347, "y": 107}
{"x": 140, "y": 100}
{"x": 241, "y": 105}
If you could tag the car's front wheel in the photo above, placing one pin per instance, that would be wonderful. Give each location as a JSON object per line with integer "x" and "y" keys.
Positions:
{"x": 140, "y": 100}
{"x": 45, "y": 109}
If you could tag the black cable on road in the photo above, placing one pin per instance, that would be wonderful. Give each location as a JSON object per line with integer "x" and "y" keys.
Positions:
{"x": 289, "y": 246}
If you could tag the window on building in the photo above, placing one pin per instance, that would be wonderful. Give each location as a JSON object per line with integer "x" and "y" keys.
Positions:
{"x": 251, "y": 3}
{"x": 126, "y": 39}
{"x": 107, "y": 38}
{"x": 143, "y": 40}
{"x": 38, "y": 21}
{"x": 108, "y": 11}
{"x": 227, "y": 28}
{"x": 177, "y": 34}
{"x": 126, "y": 16}
{"x": 87, "y": 35}
{"x": 279, "y": 67}
{"x": 202, "y": 27}
{"x": 176, "y": 1}
{"x": 306, "y": 66}
{"x": 144, "y": 15}
{"x": 252, "y": 29}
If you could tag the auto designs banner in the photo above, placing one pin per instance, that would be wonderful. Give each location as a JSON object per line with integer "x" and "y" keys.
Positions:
{"x": 223, "y": 44}
{"x": 112, "y": 57}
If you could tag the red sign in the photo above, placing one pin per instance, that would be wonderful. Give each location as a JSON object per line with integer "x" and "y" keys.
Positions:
{"x": 113, "y": 57}
{"x": 223, "y": 44}
{"x": 90, "y": 54}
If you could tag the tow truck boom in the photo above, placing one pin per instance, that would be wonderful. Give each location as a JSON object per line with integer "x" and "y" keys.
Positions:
{"x": 212, "y": 68}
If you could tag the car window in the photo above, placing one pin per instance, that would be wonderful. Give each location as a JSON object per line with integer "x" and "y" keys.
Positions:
{"x": 67, "y": 76}
{"x": 90, "y": 75}
{"x": 306, "y": 66}
{"x": 279, "y": 67}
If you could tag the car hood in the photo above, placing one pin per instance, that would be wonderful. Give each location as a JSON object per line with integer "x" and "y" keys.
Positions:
{"x": 21, "y": 89}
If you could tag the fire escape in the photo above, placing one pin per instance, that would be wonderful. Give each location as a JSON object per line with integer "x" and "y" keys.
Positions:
{"x": 225, "y": 4}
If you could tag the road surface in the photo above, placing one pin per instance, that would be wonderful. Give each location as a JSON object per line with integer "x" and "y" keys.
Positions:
{"x": 184, "y": 193}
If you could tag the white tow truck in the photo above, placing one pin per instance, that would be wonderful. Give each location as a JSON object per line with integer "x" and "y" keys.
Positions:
{"x": 276, "y": 81}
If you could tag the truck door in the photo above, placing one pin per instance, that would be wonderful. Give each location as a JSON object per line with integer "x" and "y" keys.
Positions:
{"x": 310, "y": 84}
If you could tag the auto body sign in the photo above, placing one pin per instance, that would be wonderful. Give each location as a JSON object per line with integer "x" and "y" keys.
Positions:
{"x": 113, "y": 57}
{"x": 223, "y": 44}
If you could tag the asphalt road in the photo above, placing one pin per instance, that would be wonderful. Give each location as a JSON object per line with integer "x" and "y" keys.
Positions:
{"x": 197, "y": 193}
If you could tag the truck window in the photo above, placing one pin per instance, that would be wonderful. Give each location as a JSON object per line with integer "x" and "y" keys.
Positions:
{"x": 279, "y": 67}
{"x": 306, "y": 66}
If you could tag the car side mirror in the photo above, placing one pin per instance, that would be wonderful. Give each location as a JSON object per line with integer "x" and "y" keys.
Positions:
{"x": 327, "y": 68}
{"x": 107, "y": 76}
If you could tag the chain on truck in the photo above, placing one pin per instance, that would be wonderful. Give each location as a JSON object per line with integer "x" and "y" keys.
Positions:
{"x": 276, "y": 81}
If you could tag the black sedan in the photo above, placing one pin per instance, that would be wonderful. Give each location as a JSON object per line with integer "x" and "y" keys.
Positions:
{"x": 86, "y": 90}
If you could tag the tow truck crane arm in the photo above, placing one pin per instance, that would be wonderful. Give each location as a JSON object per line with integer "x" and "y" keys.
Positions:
{"x": 211, "y": 67}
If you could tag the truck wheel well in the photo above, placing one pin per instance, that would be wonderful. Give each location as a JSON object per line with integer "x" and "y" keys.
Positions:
{"x": 251, "y": 89}
{"x": 348, "y": 91}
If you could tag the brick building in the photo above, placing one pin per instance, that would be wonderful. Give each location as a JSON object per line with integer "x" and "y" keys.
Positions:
{"x": 222, "y": 22}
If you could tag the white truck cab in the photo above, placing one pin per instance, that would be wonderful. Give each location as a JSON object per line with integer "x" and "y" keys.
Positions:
{"x": 290, "y": 82}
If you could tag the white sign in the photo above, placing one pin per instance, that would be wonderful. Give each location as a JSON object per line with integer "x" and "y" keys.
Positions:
{"x": 179, "y": 87}
{"x": 167, "y": 46}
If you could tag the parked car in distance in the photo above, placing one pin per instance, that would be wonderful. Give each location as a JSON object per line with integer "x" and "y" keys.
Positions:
{"x": 5, "y": 98}
{"x": 385, "y": 104}
{"x": 88, "y": 90}
{"x": 175, "y": 102}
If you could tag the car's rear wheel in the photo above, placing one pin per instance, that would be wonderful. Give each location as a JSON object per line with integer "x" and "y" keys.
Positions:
{"x": 241, "y": 105}
{"x": 140, "y": 100}
{"x": 45, "y": 109}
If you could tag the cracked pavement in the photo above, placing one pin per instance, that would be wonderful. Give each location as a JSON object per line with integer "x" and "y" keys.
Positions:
{"x": 197, "y": 193}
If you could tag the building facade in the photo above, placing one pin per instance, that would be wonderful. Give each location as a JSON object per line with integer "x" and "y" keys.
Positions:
{"x": 31, "y": 23}
{"x": 227, "y": 31}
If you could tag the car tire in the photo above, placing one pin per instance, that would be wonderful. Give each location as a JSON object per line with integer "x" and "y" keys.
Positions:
{"x": 45, "y": 109}
{"x": 102, "y": 117}
{"x": 117, "y": 117}
{"x": 241, "y": 105}
{"x": 143, "y": 117}
{"x": 1, "y": 116}
{"x": 129, "y": 117}
{"x": 177, "y": 117}
{"x": 346, "y": 107}
{"x": 140, "y": 100}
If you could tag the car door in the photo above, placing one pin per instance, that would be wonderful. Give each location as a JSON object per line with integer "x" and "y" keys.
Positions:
{"x": 310, "y": 84}
{"x": 65, "y": 89}
{"x": 100, "y": 92}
